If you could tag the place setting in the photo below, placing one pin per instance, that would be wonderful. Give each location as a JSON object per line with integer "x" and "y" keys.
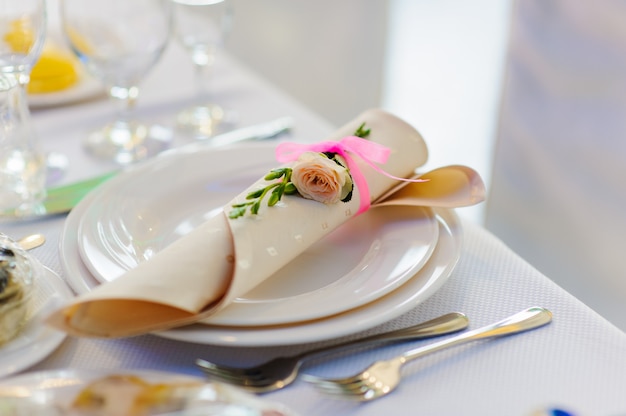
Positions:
{"x": 260, "y": 260}
{"x": 365, "y": 273}
{"x": 308, "y": 284}
{"x": 229, "y": 243}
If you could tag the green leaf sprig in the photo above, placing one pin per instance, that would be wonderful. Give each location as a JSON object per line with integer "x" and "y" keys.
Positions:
{"x": 362, "y": 132}
{"x": 275, "y": 189}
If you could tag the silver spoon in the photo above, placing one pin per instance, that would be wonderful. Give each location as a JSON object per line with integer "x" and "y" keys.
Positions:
{"x": 31, "y": 241}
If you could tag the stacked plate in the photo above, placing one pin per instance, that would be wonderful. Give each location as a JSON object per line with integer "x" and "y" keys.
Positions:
{"x": 372, "y": 269}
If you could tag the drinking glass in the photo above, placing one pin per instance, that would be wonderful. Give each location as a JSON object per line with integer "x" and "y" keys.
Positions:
{"x": 22, "y": 164}
{"x": 119, "y": 41}
{"x": 201, "y": 26}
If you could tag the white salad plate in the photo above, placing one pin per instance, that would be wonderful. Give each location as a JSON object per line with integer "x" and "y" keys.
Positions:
{"x": 138, "y": 213}
{"x": 36, "y": 340}
{"x": 53, "y": 393}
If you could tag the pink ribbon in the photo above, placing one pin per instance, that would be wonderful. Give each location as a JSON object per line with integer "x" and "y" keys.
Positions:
{"x": 370, "y": 152}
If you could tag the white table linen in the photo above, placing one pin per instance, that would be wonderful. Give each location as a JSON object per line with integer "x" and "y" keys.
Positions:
{"x": 578, "y": 362}
{"x": 558, "y": 194}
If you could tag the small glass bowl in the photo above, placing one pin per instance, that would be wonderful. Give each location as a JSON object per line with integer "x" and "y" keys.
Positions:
{"x": 18, "y": 273}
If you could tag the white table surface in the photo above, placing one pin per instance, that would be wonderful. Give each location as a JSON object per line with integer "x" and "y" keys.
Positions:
{"x": 578, "y": 362}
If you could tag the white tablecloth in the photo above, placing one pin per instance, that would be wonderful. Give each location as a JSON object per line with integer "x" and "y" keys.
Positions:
{"x": 578, "y": 362}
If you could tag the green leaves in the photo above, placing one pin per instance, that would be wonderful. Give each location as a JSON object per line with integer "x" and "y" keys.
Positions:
{"x": 362, "y": 132}
{"x": 278, "y": 189}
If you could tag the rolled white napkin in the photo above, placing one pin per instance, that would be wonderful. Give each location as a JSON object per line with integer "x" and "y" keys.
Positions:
{"x": 204, "y": 271}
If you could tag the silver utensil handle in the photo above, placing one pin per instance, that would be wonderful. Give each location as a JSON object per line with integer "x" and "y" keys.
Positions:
{"x": 525, "y": 320}
{"x": 258, "y": 132}
{"x": 441, "y": 325}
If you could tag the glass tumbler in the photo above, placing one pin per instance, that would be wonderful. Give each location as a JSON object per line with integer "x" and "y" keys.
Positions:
{"x": 22, "y": 163}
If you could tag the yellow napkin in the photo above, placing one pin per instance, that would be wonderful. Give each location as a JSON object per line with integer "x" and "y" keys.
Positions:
{"x": 204, "y": 271}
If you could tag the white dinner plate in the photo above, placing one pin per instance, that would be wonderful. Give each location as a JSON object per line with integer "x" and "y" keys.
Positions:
{"x": 419, "y": 288}
{"x": 36, "y": 340}
{"x": 53, "y": 392}
{"x": 138, "y": 213}
{"x": 423, "y": 285}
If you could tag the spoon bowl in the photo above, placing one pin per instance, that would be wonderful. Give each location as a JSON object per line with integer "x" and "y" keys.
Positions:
{"x": 31, "y": 241}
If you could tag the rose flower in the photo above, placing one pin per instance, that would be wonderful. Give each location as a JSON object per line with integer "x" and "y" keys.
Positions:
{"x": 322, "y": 179}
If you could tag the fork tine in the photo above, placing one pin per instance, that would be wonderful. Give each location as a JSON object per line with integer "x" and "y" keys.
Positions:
{"x": 225, "y": 371}
{"x": 213, "y": 368}
{"x": 250, "y": 384}
{"x": 333, "y": 384}
{"x": 355, "y": 391}
{"x": 233, "y": 375}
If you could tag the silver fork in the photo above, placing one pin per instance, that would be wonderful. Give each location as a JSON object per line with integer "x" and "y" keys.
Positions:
{"x": 282, "y": 371}
{"x": 382, "y": 377}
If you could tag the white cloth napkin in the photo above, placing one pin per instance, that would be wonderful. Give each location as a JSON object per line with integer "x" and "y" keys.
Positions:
{"x": 224, "y": 258}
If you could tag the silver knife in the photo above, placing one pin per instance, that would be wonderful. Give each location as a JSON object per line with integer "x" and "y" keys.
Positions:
{"x": 62, "y": 199}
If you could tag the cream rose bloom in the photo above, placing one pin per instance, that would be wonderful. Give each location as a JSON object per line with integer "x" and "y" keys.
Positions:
{"x": 321, "y": 179}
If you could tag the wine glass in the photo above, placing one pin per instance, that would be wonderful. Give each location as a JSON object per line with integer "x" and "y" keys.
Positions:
{"x": 201, "y": 26}
{"x": 22, "y": 163}
{"x": 119, "y": 41}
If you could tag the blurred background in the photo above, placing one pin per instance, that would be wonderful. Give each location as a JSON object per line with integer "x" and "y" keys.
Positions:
{"x": 437, "y": 64}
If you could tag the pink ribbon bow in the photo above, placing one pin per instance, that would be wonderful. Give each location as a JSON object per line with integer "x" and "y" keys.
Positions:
{"x": 370, "y": 152}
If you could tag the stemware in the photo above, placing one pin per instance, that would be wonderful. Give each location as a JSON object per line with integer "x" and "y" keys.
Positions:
{"x": 22, "y": 163}
{"x": 119, "y": 41}
{"x": 201, "y": 26}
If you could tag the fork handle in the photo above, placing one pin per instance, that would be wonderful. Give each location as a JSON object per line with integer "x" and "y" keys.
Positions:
{"x": 445, "y": 324}
{"x": 525, "y": 320}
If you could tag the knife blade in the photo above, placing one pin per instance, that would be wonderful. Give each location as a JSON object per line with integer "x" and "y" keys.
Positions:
{"x": 62, "y": 199}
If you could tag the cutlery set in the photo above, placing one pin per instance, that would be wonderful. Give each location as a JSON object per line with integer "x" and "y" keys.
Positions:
{"x": 382, "y": 377}
{"x": 282, "y": 371}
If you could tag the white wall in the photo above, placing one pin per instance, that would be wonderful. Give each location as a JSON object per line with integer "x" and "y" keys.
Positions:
{"x": 443, "y": 73}
{"x": 327, "y": 53}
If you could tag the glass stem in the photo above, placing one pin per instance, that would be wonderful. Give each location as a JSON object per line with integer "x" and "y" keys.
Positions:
{"x": 203, "y": 68}
{"x": 20, "y": 113}
{"x": 202, "y": 82}
{"x": 125, "y": 99}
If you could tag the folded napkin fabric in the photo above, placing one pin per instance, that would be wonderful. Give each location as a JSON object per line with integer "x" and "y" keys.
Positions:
{"x": 204, "y": 271}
